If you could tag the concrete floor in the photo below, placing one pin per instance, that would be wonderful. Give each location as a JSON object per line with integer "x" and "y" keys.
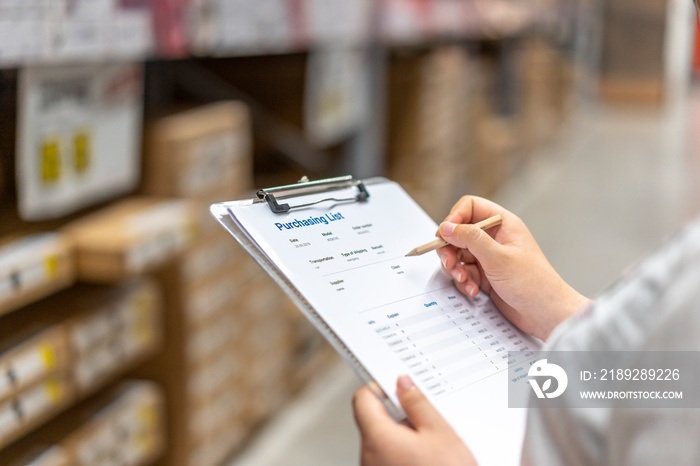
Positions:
{"x": 607, "y": 191}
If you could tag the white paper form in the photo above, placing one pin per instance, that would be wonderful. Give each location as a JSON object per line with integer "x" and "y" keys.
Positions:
{"x": 399, "y": 314}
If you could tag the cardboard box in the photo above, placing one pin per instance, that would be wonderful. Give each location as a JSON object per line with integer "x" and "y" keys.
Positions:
{"x": 220, "y": 372}
{"x": 32, "y": 407}
{"x": 204, "y": 323}
{"x": 543, "y": 93}
{"x": 220, "y": 446}
{"x": 124, "y": 425}
{"x": 429, "y": 126}
{"x": 209, "y": 256}
{"x": 213, "y": 416}
{"x": 205, "y": 224}
{"x": 30, "y": 359}
{"x": 169, "y": 366}
{"x": 633, "y": 55}
{"x": 200, "y": 153}
{"x": 206, "y": 299}
{"x": 131, "y": 237}
{"x": 128, "y": 430}
{"x": 32, "y": 267}
{"x": 204, "y": 342}
{"x": 77, "y": 341}
{"x": 90, "y": 332}
{"x": 116, "y": 328}
{"x": 81, "y": 30}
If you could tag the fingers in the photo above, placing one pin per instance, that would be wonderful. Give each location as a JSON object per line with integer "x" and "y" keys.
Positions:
{"x": 467, "y": 276}
{"x": 369, "y": 412}
{"x": 463, "y": 255}
{"x": 472, "y": 209}
{"x": 473, "y": 282}
{"x": 467, "y": 236}
{"x": 419, "y": 410}
{"x": 448, "y": 256}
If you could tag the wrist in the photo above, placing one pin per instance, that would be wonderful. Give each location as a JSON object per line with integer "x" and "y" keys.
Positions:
{"x": 569, "y": 303}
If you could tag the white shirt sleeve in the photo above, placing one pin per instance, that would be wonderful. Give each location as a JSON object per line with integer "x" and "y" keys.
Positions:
{"x": 654, "y": 307}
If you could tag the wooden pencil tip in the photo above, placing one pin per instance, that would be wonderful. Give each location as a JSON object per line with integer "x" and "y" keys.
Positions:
{"x": 411, "y": 253}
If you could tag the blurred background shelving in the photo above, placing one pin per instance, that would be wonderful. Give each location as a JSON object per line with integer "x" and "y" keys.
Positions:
{"x": 133, "y": 330}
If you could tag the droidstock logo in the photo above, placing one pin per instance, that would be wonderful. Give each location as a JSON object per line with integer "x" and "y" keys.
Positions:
{"x": 541, "y": 374}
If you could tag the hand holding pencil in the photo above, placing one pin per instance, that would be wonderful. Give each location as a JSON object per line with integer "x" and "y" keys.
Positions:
{"x": 439, "y": 242}
{"x": 507, "y": 264}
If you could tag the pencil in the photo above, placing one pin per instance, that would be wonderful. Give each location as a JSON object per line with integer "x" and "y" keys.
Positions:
{"x": 439, "y": 242}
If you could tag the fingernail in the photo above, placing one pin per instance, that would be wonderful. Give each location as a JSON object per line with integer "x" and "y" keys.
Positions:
{"x": 404, "y": 382}
{"x": 444, "y": 262}
{"x": 457, "y": 275}
{"x": 447, "y": 228}
{"x": 472, "y": 290}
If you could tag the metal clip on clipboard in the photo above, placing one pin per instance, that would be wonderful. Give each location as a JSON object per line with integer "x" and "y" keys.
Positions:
{"x": 304, "y": 186}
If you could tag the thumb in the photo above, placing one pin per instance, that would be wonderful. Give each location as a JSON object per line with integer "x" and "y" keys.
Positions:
{"x": 370, "y": 415}
{"x": 419, "y": 410}
{"x": 469, "y": 236}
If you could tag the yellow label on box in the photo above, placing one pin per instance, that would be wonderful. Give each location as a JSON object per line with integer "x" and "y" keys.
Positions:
{"x": 82, "y": 151}
{"x": 50, "y": 161}
{"x": 141, "y": 307}
{"x": 48, "y": 355}
{"x": 51, "y": 266}
{"x": 144, "y": 442}
{"x": 147, "y": 416}
{"x": 54, "y": 391}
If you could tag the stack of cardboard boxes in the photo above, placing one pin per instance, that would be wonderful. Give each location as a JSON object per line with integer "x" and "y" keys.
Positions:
{"x": 77, "y": 341}
{"x": 430, "y": 135}
{"x": 225, "y": 328}
{"x": 460, "y": 120}
{"x": 546, "y": 83}
{"x": 123, "y": 426}
{"x": 165, "y": 294}
{"x": 34, "y": 385}
{"x": 115, "y": 328}
{"x": 633, "y": 60}
{"x": 58, "y": 349}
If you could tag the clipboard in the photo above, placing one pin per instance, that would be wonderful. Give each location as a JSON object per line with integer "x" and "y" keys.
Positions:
{"x": 335, "y": 238}
{"x": 272, "y": 197}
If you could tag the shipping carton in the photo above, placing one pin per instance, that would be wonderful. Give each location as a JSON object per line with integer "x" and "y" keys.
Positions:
{"x": 32, "y": 267}
{"x": 131, "y": 237}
